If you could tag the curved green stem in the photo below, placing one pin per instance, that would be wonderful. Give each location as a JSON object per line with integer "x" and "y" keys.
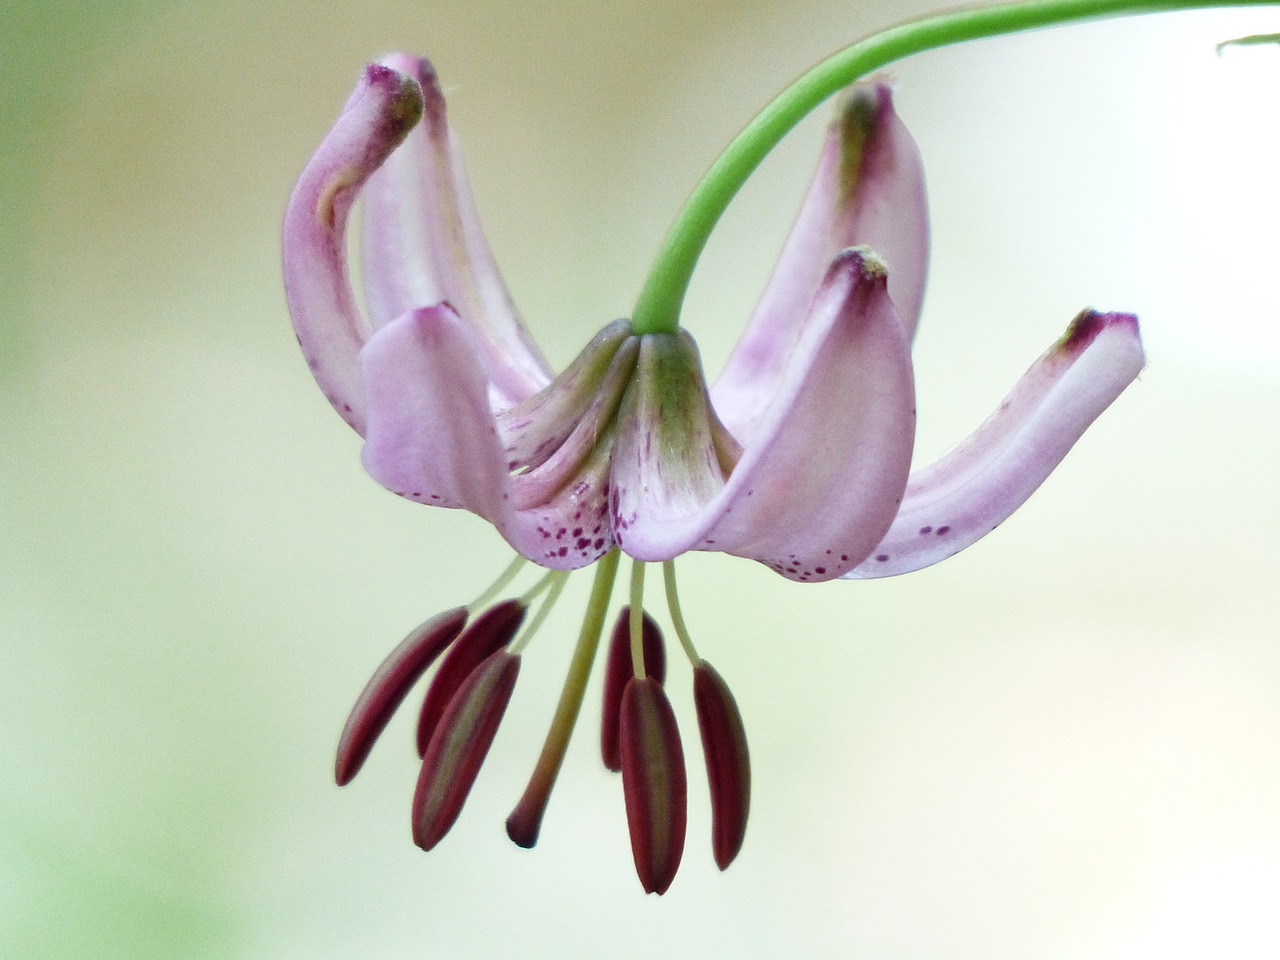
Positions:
{"x": 658, "y": 308}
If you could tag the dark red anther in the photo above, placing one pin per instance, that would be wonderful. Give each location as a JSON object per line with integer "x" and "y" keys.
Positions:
{"x": 489, "y": 633}
{"x": 389, "y": 685}
{"x": 653, "y": 783}
{"x": 618, "y": 669}
{"x": 724, "y": 745}
{"x": 459, "y": 745}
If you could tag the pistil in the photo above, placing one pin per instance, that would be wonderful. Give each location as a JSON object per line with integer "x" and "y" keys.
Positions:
{"x": 525, "y": 820}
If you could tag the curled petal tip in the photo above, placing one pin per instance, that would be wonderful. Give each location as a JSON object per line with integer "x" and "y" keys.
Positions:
{"x": 861, "y": 262}
{"x": 424, "y": 72}
{"x": 1090, "y": 324}
{"x": 403, "y": 92}
{"x": 331, "y": 327}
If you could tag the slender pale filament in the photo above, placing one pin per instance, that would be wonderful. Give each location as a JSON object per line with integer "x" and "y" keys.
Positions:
{"x": 507, "y": 575}
{"x": 636, "y": 621}
{"x": 554, "y": 584}
{"x": 677, "y": 618}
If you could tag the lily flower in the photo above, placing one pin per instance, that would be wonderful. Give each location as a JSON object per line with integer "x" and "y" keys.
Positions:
{"x": 799, "y": 456}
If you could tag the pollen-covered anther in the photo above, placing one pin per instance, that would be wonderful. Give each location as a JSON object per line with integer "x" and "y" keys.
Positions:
{"x": 724, "y": 747}
{"x": 490, "y": 632}
{"x": 618, "y": 670}
{"x": 388, "y": 687}
{"x": 653, "y": 783}
{"x": 459, "y": 745}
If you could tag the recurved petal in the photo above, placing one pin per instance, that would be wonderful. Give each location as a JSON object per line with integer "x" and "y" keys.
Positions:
{"x": 972, "y": 489}
{"x": 819, "y": 485}
{"x": 423, "y": 244}
{"x": 432, "y": 438}
{"x": 387, "y": 688}
{"x": 869, "y": 191}
{"x": 328, "y": 322}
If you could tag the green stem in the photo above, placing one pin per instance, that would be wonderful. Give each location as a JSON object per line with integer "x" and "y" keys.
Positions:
{"x": 658, "y": 308}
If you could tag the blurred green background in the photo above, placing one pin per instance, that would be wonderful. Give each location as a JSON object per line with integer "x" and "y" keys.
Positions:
{"x": 1061, "y": 744}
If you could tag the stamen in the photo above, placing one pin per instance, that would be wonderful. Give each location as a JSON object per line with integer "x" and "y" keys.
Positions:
{"x": 545, "y": 582}
{"x": 556, "y": 580}
{"x": 637, "y": 619}
{"x": 507, "y": 575}
{"x": 677, "y": 618}
{"x": 526, "y": 819}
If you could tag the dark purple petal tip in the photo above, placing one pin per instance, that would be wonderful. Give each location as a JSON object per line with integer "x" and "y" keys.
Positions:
{"x": 1088, "y": 324}
{"x": 388, "y": 687}
{"x": 724, "y": 746}
{"x": 421, "y": 70}
{"x": 653, "y": 783}
{"x": 618, "y": 670}
{"x": 459, "y": 745}
{"x": 490, "y": 632}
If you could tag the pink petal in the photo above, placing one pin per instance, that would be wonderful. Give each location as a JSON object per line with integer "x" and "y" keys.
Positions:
{"x": 330, "y": 328}
{"x": 869, "y": 190}
{"x": 423, "y": 245}
{"x": 432, "y": 438}
{"x": 973, "y": 488}
{"x": 820, "y": 483}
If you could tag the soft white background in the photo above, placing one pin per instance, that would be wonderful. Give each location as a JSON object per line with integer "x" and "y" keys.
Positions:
{"x": 1064, "y": 743}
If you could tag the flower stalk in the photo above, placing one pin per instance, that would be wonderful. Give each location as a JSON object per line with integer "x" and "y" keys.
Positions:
{"x": 658, "y": 308}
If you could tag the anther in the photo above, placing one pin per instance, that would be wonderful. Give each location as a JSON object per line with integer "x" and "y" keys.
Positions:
{"x": 488, "y": 633}
{"x": 388, "y": 687}
{"x": 618, "y": 670}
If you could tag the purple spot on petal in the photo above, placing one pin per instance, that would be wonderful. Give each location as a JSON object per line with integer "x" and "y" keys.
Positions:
{"x": 942, "y": 531}
{"x": 819, "y": 570}
{"x": 881, "y": 557}
{"x": 925, "y": 531}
